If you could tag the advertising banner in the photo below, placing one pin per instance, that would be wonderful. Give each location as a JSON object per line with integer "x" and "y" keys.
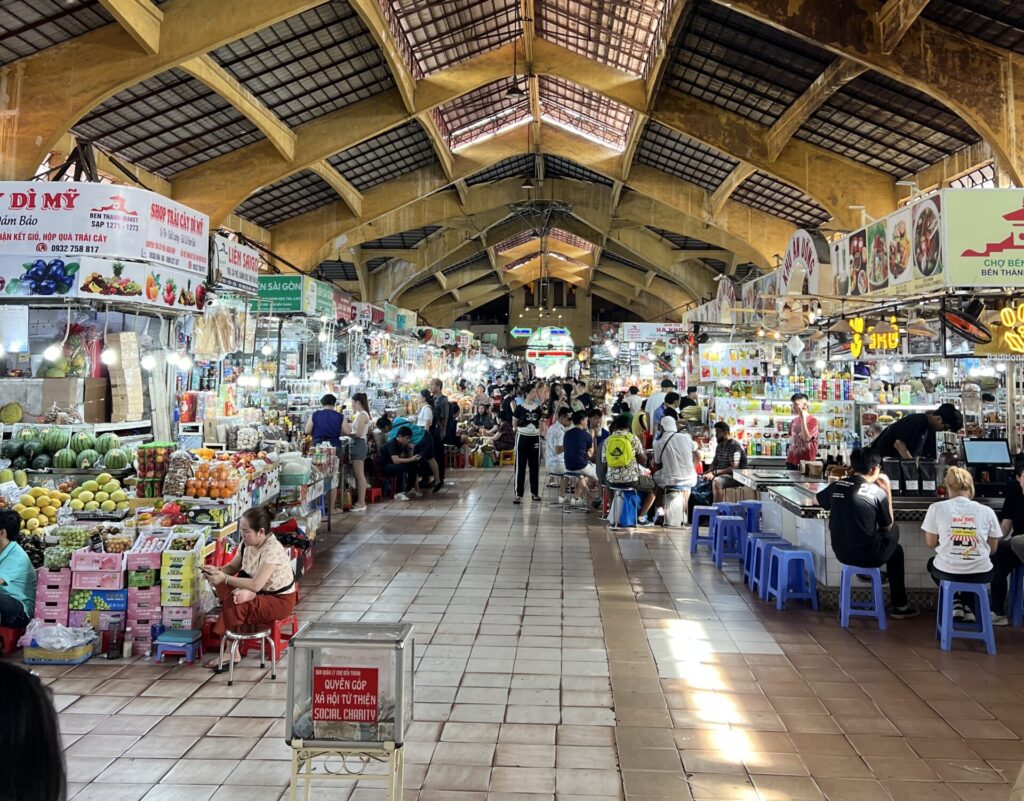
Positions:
{"x": 390, "y": 317}
{"x": 984, "y": 237}
{"x": 805, "y": 265}
{"x": 65, "y": 220}
{"x": 319, "y": 299}
{"x": 649, "y": 332}
{"x": 345, "y": 694}
{"x": 279, "y": 294}
{"x": 235, "y": 266}
{"x": 344, "y": 307}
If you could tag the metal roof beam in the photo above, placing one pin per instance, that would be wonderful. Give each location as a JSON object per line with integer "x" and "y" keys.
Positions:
{"x": 894, "y": 19}
{"x": 983, "y": 84}
{"x": 370, "y": 13}
{"x": 836, "y": 75}
{"x": 140, "y": 18}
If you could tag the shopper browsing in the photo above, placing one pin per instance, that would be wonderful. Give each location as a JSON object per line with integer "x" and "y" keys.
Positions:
{"x": 656, "y": 399}
{"x": 676, "y": 457}
{"x": 423, "y": 446}
{"x": 358, "y": 448}
{"x": 583, "y": 396}
{"x": 257, "y": 586}
{"x": 554, "y": 460}
{"x": 633, "y": 400}
{"x": 442, "y": 430}
{"x": 325, "y": 424}
{"x": 527, "y": 424}
{"x": 671, "y": 402}
{"x": 964, "y": 534}
{"x": 861, "y": 524}
{"x": 803, "y": 433}
{"x": 17, "y": 576}
{"x": 690, "y": 399}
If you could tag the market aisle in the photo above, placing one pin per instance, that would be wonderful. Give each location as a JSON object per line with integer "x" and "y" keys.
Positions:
{"x": 551, "y": 654}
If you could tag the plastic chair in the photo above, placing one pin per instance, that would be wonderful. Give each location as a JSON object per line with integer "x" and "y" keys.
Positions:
{"x": 9, "y": 639}
{"x": 762, "y": 563}
{"x": 781, "y": 580}
{"x": 849, "y": 608}
{"x": 278, "y": 638}
{"x": 616, "y": 509}
{"x": 373, "y": 495}
{"x": 730, "y": 508}
{"x": 574, "y": 476}
{"x": 750, "y": 575}
{"x": 727, "y": 541}
{"x": 707, "y": 514}
{"x": 752, "y": 509}
{"x": 981, "y": 629}
{"x": 675, "y": 509}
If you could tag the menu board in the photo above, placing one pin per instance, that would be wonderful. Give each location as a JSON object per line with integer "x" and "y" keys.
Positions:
{"x": 742, "y": 361}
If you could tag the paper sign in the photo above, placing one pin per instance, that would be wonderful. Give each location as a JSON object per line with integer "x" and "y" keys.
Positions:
{"x": 345, "y": 694}
{"x": 14, "y": 329}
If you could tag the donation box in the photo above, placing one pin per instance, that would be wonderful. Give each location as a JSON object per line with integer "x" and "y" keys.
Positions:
{"x": 350, "y": 684}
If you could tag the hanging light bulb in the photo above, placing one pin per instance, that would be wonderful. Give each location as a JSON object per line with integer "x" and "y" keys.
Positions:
{"x": 897, "y": 367}
{"x": 148, "y": 362}
{"x": 350, "y": 379}
{"x": 679, "y": 371}
{"x": 776, "y": 335}
{"x": 322, "y": 336}
{"x": 266, "y": 350}
{"x": 266, "y": 382}
{"x": 884, "y": 370}
{"x": 784, "y": 370}
{"x": 1000, "y": 367}
{"x": 942, "y": 370}
{"x": 55, "y": 351}
{"x": 108, "y": 355}
{"x": 185, "y": 363}
{"x": 819, "y": 364}
{"x": 173, "y": 358}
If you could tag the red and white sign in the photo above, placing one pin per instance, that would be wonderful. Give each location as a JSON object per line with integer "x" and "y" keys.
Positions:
{"x": 72, "y": 220}
{"x": 345, "y": 694}
{"x": 344, "y": 306}
{"x": 236, "y": 266}
{"x": 806, "y": 256}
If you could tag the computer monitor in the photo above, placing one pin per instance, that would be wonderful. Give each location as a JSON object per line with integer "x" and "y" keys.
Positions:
{"x": 987, "y": 451}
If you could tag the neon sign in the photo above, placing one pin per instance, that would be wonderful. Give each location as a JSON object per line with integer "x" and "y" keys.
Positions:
{"x": 1012, "y": 320}
{"x": 876, "y": 342}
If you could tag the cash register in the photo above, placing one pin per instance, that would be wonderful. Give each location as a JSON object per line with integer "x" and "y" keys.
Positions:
{"x": 990, "y": 465}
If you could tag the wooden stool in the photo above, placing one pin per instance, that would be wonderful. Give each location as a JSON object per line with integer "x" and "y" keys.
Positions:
{"x": 507, "y": 458}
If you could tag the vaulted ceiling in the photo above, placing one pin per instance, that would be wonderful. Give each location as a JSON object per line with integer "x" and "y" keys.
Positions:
{"x": 384, "y": 144}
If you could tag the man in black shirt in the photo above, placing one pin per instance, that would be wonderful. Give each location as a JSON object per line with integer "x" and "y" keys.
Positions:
{"x": 398, "y": 461}
{"x": 861, "y": 524}
{"x": 690, "y": 399}
{"x": 1004, "y": 560}
{"x": 914, "y": 435}
{"x": 583, "y": 396}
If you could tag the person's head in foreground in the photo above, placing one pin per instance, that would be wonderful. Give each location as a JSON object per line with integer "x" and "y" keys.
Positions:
{"x": 328, "y": 401}
{"x": 866, "y": 462}
{"x": 621, "y": 422}
{"x": 29, "y": 739}
{"x": 404, "y": 436}
{"x": 959, "y": 483}
{"x": 255, "y": 526}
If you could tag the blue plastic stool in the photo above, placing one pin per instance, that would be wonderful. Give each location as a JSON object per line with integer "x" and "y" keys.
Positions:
{"x": 727, "y": 539}
{"x": 781, "y": 581}
{"x": 982, "y": 630}
{"x": 729, "y": 508}
{"x": 752, "y": 509}
{"x": 708, "y": 514}
{"x": 849, "y": 608}
{"x": 1015, "y": 602}
{"x": 749, "y": 551}
{"x": 760, "y": 567}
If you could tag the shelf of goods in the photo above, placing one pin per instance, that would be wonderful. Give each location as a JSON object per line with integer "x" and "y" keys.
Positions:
{"x": 982, "y": 419}
{"x": 760, "y": 416}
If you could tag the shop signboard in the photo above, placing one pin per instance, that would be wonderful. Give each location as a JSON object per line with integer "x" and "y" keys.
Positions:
{"x": 464, "y": 339}
{"x": 521, "y": 332}
{"x": 72, "y": 220}
{"x": 806, "y": 264}
{"x": 364, "y": 314}
{"x": 984, "y": 241}
{"x": 649, "y": 332}
{"x": 318, "y": 298}
{"x": 280, "y": 293}
{"x": 234, "y": 266}
{"x": 390, "y": 317}
{"x": 344, "y": 306}
{"x": 406, "y": 320}
{"x": 447, "y": 336}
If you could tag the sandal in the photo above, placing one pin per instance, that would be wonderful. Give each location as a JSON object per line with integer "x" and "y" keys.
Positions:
{"x": 222, "y": 666}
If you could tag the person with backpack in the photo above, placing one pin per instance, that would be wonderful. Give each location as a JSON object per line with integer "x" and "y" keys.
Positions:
{"x": 624, "y": 454}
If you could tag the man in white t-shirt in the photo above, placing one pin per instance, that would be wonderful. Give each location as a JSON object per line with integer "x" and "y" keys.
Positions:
{"x": 657, "y": 398}
{"x": 553, "y": 458}
{"x": 634, "y": 401}
{"x": 964, "y": 534}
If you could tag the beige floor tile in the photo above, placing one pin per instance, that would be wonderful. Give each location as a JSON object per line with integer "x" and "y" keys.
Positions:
{"x": 135, "y": 771}
{"x": 457, "y": 777}
{"x": 522, "y": 780}
{"x": 201, "y": 771}
{"x": 463, "y": 754}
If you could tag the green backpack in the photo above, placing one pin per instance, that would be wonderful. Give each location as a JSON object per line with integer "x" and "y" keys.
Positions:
{"x": 619, "y": 450}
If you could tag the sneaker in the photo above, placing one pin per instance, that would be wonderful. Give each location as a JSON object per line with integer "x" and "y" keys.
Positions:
{"x": 1000, "y": 620}
{"x": 537, "y": 497}
{"x": 969, "y": 615}
{"x": 900, "y": 612}
{"x": 958, "y": 610}
{"x": 660, "y": 512}
{"x": 401, "y": 497}
{"x": 358, "y": 509}
{"x": 437, "y": 487}
{"x": 415, "y": 493}
{"x": 517, "y": 500}
{"x": 561, "y": 499}
{"x": 641, "y": 520}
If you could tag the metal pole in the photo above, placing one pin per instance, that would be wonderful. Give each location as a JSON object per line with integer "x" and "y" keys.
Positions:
{"x": 277, "y": 377}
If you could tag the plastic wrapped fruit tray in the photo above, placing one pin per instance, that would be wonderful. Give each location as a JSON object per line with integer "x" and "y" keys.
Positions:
{"x": 115, "y": 516}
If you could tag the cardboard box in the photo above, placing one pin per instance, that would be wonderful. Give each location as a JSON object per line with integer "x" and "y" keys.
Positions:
{"x": 63, "y": 392}
{"x": 104, "y": 600}
{"x": 95, "y": 404}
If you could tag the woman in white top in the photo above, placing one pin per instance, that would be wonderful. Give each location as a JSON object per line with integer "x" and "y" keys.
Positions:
{"x": 964, "y": 534}
{"x": 425, "y": 419}
{"x": 676, "y": 457}
{"x": 359, "y": 447}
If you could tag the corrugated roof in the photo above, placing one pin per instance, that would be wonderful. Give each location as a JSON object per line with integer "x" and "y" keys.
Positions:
{"x": 594, "y": 115}
{"x": 998, "y": 22}
{"x": 304, "y": 191}
{"x": 683, "y": 157}
{"x": 782, "y": 200}
{"x": 385, "y": 157}
{"x": 28, "y": 27}
{"x": 521, "y": 166}
{"x": 481, "y": 112}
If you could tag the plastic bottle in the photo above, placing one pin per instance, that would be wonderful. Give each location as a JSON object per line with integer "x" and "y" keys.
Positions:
{"x": 129, "y": 642}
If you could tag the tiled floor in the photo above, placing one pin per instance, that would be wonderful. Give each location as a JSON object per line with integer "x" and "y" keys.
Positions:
{"x": 557, "y": 661}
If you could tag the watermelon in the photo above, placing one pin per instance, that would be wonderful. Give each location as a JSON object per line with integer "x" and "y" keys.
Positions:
{"x": 106, "y": 442}
{"x": 54, "y": 439}
{"x": 115, "y": 459}
{"x": 83, "y": 441}
{"x": 41, "y": 462}
{"x": 11, "y": 449}
{"x": 32, "y": 448}
{"x": 65, "y": 458}
{"x": 28, "y": 432}
{"x": 19, "y": 463}
{"x": 87, "y": 458}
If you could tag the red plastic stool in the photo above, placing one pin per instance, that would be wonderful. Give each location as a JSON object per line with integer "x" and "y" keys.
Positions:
{"x": 373, "y": 494}
{"x": 9, "y": 639}
{"x": 279, "y": 637}
{"x": 211, "y": 641}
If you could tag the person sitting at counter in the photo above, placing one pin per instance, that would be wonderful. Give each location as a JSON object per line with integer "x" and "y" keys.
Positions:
{"x": 964, "y": 534}
{"x": 1005, "y": 560}
{"x": 803, "y": 433}
{"x": 913, "y": 436}
{"x": 862, "y": 527}
{"x": 729, "y": 456}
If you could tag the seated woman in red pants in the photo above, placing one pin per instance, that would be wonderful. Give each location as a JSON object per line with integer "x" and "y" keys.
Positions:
{"x": 257, "y": 586}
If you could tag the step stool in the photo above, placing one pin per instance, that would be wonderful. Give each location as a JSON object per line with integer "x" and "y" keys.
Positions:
{"x": 187, "y": 643}
{"x": 849, "y": 608}
{"x": 730, "y": 508}
{"x": 946, "y": 631}
{"x": 374, "y": 494}
{"x": 728, "y": 539}
{"x": 507, "y": 458}
{"x": 240, "y": 638}
{"x": 9, "y": 639}
{"x": 780, "y": 578}
{"x": 750, "y": 574}
{"x": 277, "y": 642}
{"x": 675, "y": 506}
{"x": 752, "y": 509}
{"x": 708, "y": 515}
{"x": 1015, "y": 601}
{"x": 763, "y": 563}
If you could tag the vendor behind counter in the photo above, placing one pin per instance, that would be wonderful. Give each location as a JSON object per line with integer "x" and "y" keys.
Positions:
{"x": 913, "y": 436}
